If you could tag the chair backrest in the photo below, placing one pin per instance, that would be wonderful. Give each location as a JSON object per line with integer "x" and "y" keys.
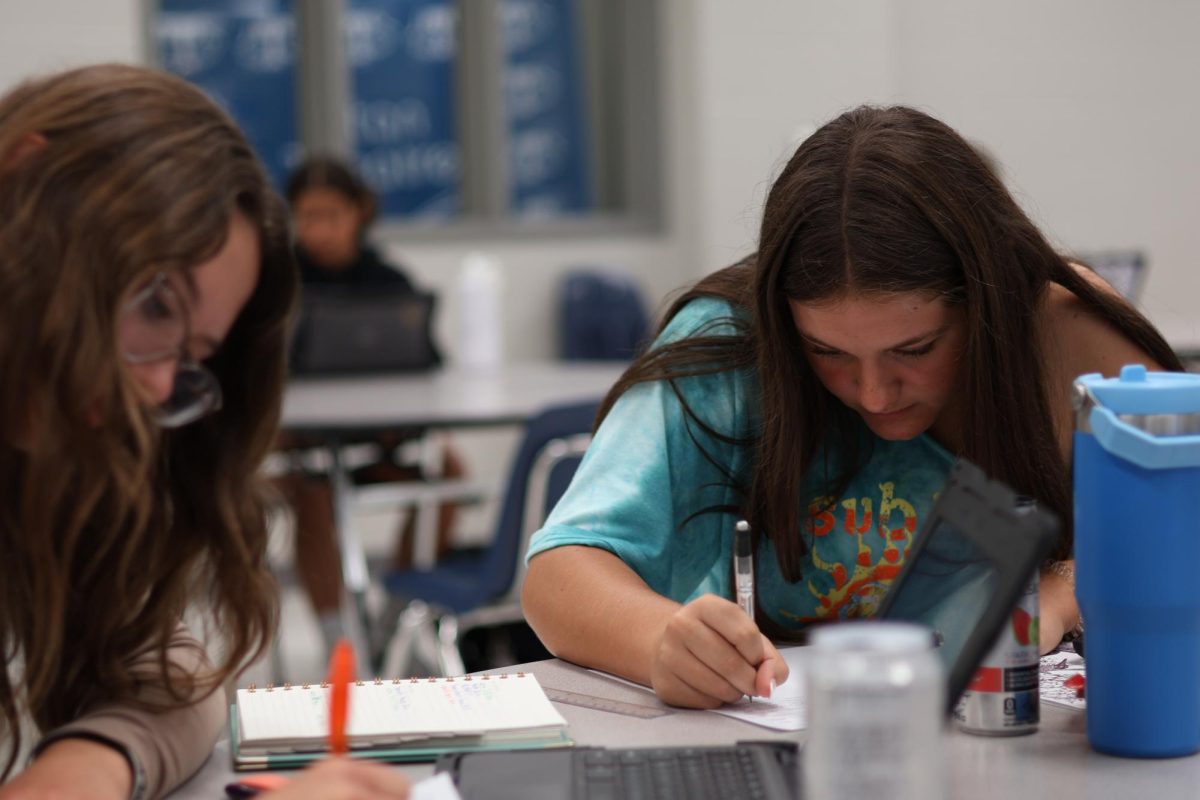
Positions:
{"x": 601, "y": 317}
{"x": 552, "y": 447}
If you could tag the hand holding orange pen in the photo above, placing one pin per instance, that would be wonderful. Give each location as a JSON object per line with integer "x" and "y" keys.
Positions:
{"x": 341, "y": 673}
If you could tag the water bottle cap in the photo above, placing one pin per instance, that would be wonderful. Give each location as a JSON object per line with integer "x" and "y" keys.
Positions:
{"x": 872, "y": 637}
{"x": 1138, "y": 391}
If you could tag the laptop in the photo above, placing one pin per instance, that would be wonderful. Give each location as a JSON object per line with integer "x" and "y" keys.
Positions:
{"x": 350, "y": 332}
{"x": 965, "y": 572}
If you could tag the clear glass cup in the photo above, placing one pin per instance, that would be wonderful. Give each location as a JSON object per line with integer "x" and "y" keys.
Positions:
{"x": 876, "y": 697}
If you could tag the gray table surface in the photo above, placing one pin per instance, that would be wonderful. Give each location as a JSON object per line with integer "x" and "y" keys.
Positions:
{"x": 1055, "y": 762}
{"x": 448, "y": 397}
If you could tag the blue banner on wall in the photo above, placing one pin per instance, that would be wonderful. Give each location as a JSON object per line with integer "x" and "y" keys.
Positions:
{"x": 402, "y": 60}
{"x": 548, "y": 156}
{"x": 243, "y": 54}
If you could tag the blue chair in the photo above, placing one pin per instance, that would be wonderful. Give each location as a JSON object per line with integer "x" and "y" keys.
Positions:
{"x": 601, "y": 317}
{"x": 483, "y": 588}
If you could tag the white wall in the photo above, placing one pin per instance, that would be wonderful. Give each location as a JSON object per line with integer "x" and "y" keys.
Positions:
{"x": 46, "y": 35}
{"x": 769, "y": 72}
{"x": 1092, "y": 107}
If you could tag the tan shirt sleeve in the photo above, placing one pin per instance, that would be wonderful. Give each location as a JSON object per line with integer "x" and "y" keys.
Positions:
{"x": 167, "y": 747}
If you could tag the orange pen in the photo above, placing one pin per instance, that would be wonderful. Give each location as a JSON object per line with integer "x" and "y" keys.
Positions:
{"x": 341, "y": 672}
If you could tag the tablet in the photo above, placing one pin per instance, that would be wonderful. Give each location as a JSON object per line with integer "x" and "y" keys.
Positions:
{"x": 968, "y": 566}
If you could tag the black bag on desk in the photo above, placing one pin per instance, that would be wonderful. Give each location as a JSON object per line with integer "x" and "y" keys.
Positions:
{"x": 348, "y": 331}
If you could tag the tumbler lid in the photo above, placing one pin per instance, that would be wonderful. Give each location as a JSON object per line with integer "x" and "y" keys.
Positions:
{"x": 1138, "y": 391}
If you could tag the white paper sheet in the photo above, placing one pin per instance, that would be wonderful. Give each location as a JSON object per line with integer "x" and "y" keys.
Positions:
{"x": 1054, "y": 669}
{"x": 438, "y": 787}
{"x": 785, "y": 710}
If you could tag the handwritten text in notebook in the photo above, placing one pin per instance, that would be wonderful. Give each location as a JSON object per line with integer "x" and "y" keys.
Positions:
{"x": 396, "y": 711}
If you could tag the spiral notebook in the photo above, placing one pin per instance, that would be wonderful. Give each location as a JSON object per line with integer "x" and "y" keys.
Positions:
{"x": 408, "y": 719}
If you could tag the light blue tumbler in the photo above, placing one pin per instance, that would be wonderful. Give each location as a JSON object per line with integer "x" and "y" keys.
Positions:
{"x": 1137, "y": 551}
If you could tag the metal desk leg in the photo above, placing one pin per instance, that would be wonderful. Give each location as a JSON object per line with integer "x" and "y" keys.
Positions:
{"x": 428, "y": 513}
{"x": 355, "y": 577}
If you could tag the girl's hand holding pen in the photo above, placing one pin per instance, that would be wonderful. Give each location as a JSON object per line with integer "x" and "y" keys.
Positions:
{"x": 710, "y": 653}
{"x": 336, "y": 777}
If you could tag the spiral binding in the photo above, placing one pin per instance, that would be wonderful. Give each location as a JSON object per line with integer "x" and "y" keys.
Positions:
{"x": 270, "y": 687}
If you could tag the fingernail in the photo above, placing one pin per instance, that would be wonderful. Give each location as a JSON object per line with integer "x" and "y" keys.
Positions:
{"x": 771, "y": 691}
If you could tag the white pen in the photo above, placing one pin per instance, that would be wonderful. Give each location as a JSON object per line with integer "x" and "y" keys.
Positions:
{"x": 743, "y": 567}
{"x": 743, "y": 570}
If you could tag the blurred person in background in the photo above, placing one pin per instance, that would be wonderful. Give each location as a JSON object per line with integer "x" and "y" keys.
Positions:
{"x": 332, "y": 208}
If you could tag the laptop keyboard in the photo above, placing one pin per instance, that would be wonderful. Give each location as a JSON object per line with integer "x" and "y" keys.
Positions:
{"x": 694, "y": 773}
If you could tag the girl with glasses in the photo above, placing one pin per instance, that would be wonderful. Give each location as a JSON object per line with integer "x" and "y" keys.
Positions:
{"x": 146, "y": 283}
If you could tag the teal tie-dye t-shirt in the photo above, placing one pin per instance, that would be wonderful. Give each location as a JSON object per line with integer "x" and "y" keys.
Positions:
{"x": 644, "y": 477}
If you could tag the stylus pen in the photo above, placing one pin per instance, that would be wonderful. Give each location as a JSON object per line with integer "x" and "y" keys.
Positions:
{"x": 743, "y": 567}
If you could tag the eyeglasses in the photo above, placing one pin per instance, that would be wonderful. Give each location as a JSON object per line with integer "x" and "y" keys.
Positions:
{"x": 155, "y": 327}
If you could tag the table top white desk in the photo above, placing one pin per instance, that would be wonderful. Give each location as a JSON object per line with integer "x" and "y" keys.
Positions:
{"x": 1055, "y": 762}
{"x": 444, "y": 398}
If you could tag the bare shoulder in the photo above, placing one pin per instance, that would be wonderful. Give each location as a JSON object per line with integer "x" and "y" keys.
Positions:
{"x": 1078, "y": 340}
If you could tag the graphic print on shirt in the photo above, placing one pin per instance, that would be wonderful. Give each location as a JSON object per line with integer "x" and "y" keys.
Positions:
{"x": 858, "y": 547}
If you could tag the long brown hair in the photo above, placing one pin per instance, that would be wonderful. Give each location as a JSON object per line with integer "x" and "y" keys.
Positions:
{"x": 111, "y": 526}
{"x": 881, "y": 201}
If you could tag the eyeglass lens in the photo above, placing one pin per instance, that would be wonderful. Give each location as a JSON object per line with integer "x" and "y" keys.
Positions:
{"x": 154, "y": 328}
{"x": 195, "y": 393}
{"x": 155, "y": 324}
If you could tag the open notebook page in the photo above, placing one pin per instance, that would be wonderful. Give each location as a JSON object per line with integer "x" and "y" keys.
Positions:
{"x": 398, "y": 710}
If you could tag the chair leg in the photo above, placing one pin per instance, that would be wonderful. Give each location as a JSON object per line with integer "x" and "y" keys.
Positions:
{"x": 449, "y": 657}
{"x": 403, "y": 641}
{"x": 426, "y": 645}
{"x": 426, "y": 638}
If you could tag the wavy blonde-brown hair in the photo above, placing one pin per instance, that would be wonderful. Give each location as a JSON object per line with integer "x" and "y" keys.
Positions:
{"x": 109, "y": 526}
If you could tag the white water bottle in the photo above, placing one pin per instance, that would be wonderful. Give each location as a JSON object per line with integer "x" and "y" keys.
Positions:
{"x": 481, "y": 319}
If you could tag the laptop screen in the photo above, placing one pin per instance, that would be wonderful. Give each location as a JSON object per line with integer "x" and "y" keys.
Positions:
{"x": 348, "y": 332}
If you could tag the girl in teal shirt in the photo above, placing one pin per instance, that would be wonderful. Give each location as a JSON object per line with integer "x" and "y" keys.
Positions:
{"x": 901, "y": 310}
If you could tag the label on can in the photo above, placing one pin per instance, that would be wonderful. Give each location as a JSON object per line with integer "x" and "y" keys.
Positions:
{"x": 1002, "y": 698}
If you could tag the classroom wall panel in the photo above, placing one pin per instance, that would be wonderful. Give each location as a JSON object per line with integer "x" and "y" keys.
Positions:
{"x": 1089, "y": 105}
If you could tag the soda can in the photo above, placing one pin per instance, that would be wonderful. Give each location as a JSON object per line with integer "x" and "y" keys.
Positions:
{"x": 1002, "y": 698}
